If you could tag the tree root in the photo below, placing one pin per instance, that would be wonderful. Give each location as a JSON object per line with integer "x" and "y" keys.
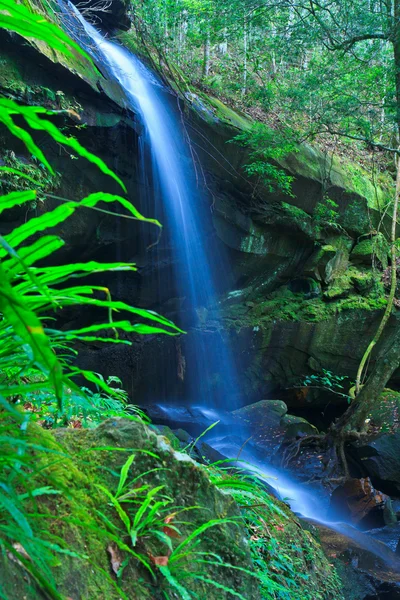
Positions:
{"x": 334, "y": 441}
{"x": 292, "y": 451}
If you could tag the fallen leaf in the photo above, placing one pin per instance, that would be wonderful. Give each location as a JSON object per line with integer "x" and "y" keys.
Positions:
{"x": 115, "y": 558}
{"x": 170, "y": 532}
{"x": 170, "y": 518}
{"x": 160, "y": 561}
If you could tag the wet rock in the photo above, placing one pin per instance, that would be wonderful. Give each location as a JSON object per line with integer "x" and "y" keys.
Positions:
{"x": 369, "y": 570}
{"x": 380, "y": 458}
{"x": 266, "y": 413}
{"x": 297, "y": 427}
{"x": 270, "y": 426}
{"x": 183, "y": 436}
{"x": 206, "y": 454}
{"x": 358, "y": 502}
{"x": 263, "y": 420}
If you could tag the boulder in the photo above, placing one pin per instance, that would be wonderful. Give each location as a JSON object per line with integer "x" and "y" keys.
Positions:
{"x": 79, "y": 478}
{"x": 266, "y": 413}
{"x": 363, "y": 252}
{"x": 369, "y": 570}
{"x": 263, "y": 420}
{"x": 380, "y": 458}
{"x": 359, "y": 503}
{"x": 296, "y": 427}
{"x": 379, "y": 453}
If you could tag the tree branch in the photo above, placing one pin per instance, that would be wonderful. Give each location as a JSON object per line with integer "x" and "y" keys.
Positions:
{"x": 347, "y": 44}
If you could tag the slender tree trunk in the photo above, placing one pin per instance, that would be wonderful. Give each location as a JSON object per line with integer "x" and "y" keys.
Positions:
{"x": 355, "y": 416}
{"x": 206, "y": 62}
{"x": 223, "y": 46}
{"x": 245, "y": 34}
{"x": 393, "y": 283}
{"x": 376, "y": 383}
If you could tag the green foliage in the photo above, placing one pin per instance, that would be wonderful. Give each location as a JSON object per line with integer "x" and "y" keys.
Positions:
{"x": 285, "y": 570}
{"x": 32, "y": 115}
{"x": 328, "y": 381}
{"x": 83, "y": 408}
{"x": 35, "y": 361}
{"x": 20, "y": 526}
{"x": 16, "y": 17}
{"x": 266, "y": 147}
{"x": 17, "y": 174}
{"x": 326, "y": 213}
{"x": 150, "y": 528}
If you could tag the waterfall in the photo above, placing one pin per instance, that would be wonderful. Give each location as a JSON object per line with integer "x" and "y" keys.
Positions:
{"x": 210, "y": 369}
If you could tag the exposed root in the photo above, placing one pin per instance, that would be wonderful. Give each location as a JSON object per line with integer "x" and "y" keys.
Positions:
{"x": 342, "y": 455}
{"x": 334, "y": 443}
{"x": 292, "y": 451}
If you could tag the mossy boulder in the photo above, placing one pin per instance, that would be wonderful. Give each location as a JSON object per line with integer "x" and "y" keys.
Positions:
{"x": 82, "y": 460}
{"x": 296, "y": 427}
{"x": 263, "y": 416}
{"x": 81, "y": 463}
{"x": 379, "y": 453}
{"x": 363, "y": 252}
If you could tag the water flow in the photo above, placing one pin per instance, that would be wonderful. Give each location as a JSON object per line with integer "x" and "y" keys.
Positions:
{"x": 211, "y": 370}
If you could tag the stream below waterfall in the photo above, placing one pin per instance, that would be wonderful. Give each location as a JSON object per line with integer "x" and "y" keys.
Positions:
{"x": 167, "y": 160}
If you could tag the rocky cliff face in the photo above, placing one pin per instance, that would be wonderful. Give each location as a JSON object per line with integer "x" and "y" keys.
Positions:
{"x": 301, "y": 294}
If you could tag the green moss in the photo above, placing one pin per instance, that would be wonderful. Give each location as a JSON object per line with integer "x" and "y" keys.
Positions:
{"x": 292, "y": 553}
{"x": 356, "y": 218}
{"x": 354, "y": 280}
{"x": 363, "y": 248}
{"x": 226, "y": 114}
{"x": 353, "y": 290}
{"x": 74, "y": 462}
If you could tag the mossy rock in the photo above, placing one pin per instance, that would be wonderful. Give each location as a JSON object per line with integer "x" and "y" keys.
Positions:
{"x": 266, "y": 413}
{"x": 77, "y": 462}
{"x": 363, "y": 252}
{"x": 296, "y": 427}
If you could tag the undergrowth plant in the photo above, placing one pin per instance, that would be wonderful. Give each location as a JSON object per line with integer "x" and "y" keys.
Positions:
{"x": 87, "y": 408}
{"x": 152, "y": 533}
{"x": 266, "y": 148}
{"x": 36, "y": 365}
{"x": 279, "y": 564}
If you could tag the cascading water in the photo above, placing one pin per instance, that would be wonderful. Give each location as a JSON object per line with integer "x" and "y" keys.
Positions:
{"x": 174, "y": 185}
{"x": 174, "y": 178}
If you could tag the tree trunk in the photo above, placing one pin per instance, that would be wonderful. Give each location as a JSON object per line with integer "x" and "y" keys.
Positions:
{"x": 223, "y": 46}
{"x": 396, "y": 55}
{"x": 393, "y": 284}
{"x": 354, "y": 417}
{"x": 206, "y": 62}
{"x": 244, "y": 88}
